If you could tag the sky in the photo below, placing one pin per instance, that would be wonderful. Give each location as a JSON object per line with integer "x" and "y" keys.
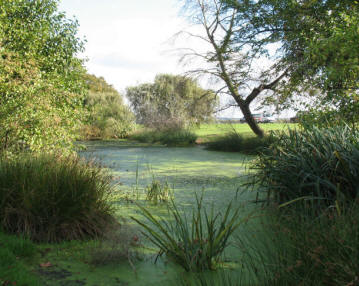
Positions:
{"x": 128, "y": 42}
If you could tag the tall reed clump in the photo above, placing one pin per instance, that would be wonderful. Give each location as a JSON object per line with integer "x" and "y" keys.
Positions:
{"x": 319, "y": 165}
{"x": 158, "y": 192}
{"x": 50, "y": 198}
{"x": 235, "y": 142}
{"x": 194, "y": 243}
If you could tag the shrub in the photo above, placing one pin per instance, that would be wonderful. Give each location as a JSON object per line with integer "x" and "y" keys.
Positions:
{"x": 234, "y": 142}
{"x": 319, "y": 164}
{"x": 51, "y": 198}
{"x": 195, "y": 244}
{"x": 169, "y": 137}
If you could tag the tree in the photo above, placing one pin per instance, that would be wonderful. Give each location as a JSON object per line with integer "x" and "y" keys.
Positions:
{"x": 108, "y": 116}
{"x": 317, "y": 44}
{"x": 40, "y": 77}
{"x": 171, "y": 101}
{"x": 232, "y": 60}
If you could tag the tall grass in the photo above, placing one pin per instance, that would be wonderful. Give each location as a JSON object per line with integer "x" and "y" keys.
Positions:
{"x": 319, "y": 166}
{"x": 50, "y": 198}
{"x": 235, "y": 142}
{"x": 194, "y": 243}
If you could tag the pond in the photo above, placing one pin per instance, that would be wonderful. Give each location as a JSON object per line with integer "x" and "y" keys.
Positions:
{"x": 217, "y": 176}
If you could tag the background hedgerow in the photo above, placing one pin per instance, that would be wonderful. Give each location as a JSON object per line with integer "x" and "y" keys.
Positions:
{"x": 50, "y": 198}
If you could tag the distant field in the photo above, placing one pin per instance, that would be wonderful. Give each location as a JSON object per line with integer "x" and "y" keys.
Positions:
{"x": 208, "y": 132}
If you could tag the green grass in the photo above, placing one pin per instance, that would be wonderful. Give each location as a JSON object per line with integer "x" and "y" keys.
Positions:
{"x": 14, "y": 251}
{"x": 210, "y": 132}
{"x": 50, "y": 198}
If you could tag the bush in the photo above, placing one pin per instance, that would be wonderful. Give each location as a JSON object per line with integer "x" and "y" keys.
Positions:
{"x": 234, "y": 142}
{"x": 319, "y": 164}
{"x": 197, "y": 244}
{"x": 169, "y": 137}
{"x": 50, "y": 198}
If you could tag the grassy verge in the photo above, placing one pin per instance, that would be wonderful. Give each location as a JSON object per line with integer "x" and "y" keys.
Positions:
{"x": 14, "y": 251}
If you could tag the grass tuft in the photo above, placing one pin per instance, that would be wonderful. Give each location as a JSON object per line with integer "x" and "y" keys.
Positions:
{"x": 51, "y": 199}
{"x": 196, "y": 244}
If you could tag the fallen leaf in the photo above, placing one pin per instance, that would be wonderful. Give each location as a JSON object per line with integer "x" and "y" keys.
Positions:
{"x": 45, "y": 265}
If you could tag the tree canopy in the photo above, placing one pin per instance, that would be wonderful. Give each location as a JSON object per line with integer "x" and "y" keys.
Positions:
{"x": 41, "y": 82}
{"x": 171, "y": 101}
{"x": 108, "y": 116}
{"x": 317, "y": 44}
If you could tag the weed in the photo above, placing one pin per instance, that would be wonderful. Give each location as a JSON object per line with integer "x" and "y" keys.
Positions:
{"x": 158, "y": 192}
{"x": 197, "y": 244}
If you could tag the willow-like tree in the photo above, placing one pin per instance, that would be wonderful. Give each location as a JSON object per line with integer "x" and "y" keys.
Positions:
{"x": 172, "y": 101}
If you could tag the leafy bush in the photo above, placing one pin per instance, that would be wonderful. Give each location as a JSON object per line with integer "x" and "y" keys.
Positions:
{"x": 195, "y": 244}
{"x": 234, "y": 142}
{"x": 158, "y": 192}
{"x": 313, "y": 163}
{"x": 12, "y": 271}
{"x": 51, "y": 198}
{"x": 169, "y": 137}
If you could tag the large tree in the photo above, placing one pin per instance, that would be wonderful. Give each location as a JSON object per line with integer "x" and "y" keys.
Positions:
{"x": 317, "y": 43}
{"x": 232, "y": 60}
{"x": 171, "y": 101}
{"x": 40, "y": 77}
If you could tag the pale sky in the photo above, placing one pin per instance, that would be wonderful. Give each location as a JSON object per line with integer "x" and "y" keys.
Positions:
{"x": 128, "y": 41}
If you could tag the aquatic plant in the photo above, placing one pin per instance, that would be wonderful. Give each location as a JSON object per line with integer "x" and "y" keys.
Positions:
{"x": 158, "y": 192}
{"x": 196, "y": 243}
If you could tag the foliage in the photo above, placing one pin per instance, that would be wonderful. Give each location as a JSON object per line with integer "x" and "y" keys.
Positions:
{"x": 51, "y": 198}
{"x": 319, "y": 166}
{"x": 229, "y": 60}
{"x": 196, "y": 243}
{"x": 40, "y": 77}
{"x": 317, "y": 44}
{"x": 296, "y": 249}
{"x": 235, "y": 142}
{"x": 171, "y": 102}
{"x": 169, "y": 137}
{"x": 108, "y": 116}
{"x": 13, "y": 271}
{"x": 158, "y": 192}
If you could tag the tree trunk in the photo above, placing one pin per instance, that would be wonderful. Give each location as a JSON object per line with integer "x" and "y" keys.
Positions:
{"x": 250, "y": 120}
